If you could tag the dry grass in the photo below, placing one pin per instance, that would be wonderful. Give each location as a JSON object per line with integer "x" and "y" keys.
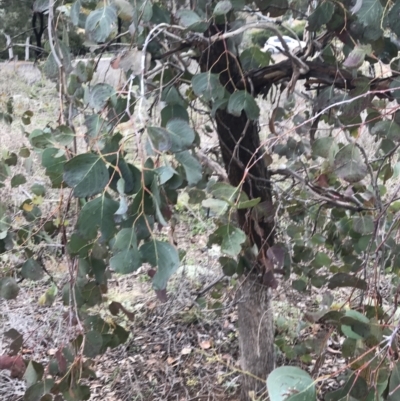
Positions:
{"x": 39, "y": 97}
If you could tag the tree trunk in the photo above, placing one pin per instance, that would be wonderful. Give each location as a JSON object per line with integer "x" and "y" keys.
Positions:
{"x": 38, "y": 32}
{"x": 27, "y": 43}
{"x": 256, "y": 337}
{"x": 10, "y": 49}
{"x": 244, "y": 164}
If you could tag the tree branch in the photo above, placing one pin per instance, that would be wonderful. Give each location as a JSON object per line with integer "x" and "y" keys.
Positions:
{"x": 50, "y": 32}
{"x": 263, "y": 25}
{"x": 327, "y": 195}
{"x": 326, "y": 74}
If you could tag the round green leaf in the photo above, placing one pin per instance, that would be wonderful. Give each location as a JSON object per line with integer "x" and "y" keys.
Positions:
{"x": 32, "y": 270}
{"x": 98, "y": 96}
{"x": 126, "y": 257}
{"x": 182, "y": 135}
{"x": 53, "y": 160}
{"x": 349, "y": 164}
{"x": 369, "y": 12}
{"x": 188, "y": 17}
{"x": 78, "y": 246}
{"x": 242, "y": 100}
{"x": 176, "y": 137}
{"x": 196, "y": 196}
{"x": 165, "y": 173}
{"x": 125, "y": 10}
{"x": 299, "y": 285}
{"x": 394, "y": 383}
{"x": 356, "y": 317}
{"x": 229, "y": 266}
{"x": 87, "y": 174}
{"x": 394, "y": 22}
{"x": 322, "y": 259}
{"x": 249, "y": 203}
{"x": 349, "y": 347}
{"x": 363, "y": 224}
{"x": 8, "y": 288}
{"x": 18, "y": 180}
{"x": 217, "y": 206}
{"x": 63, "y": 135}
{"x": 386, "y": 129}
{"x": 38, "y": 189}
{"x": 75, "y": 11}
{"x": 171, "y": 96}
{"x": 273, "y": 8}
{"x": 160, "y": 138}
{"x": 165, "y": 257}
{"x": 252, "y": 58}
{"x": 93, "y": 344}
{"x": 100, "y": 22}
{"x": 26, "y": 117}
{"x": 38, "y": 390}
{"x": 191, "y": 166}
{"x": 321, "y": 15}
{"x": 208, "y": 86}
{"x": 173, "y": 111}
{"x": 40, "y": 139}
{"x": 230, "y": 238}
{"x": 34, "y": 373}
{"x": 346, "y": 280}
{"x": 24, "y": 152}
{"x": 97, "y": 214}
{"x": 229, "y": 193}
{"x": 222, "y": 7}
{"x": 91, "y": 294}
{"x": 325, "y": 147}
{"x": 11, "y": 159}
{"x": 291, "y": 383}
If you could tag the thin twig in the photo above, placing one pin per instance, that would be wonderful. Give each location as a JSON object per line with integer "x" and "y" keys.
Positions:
{"x": 50, "y": 33}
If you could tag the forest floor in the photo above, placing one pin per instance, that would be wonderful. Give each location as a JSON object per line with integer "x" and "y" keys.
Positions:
{"x": 185, "y": 349}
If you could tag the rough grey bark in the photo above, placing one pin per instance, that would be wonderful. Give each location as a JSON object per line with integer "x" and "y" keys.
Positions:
{"x": 256, "y": 337}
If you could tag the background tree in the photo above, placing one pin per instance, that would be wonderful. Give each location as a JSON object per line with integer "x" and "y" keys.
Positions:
{"x": 39, "y": 9}
{"x": 15, "y": 20}
{"x": 327, "y": 215}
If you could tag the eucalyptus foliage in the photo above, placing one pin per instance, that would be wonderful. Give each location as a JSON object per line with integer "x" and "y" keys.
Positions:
{"x": 334, "y": 206}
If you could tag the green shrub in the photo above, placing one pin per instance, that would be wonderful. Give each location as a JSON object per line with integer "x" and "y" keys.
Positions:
{"x": 298, "y": 29}
{"x": 76, "y": 41}
{"x": 260, "y": 37}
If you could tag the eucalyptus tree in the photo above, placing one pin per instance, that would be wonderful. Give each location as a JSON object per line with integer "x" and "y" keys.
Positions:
{"x": 326, "y": 211}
